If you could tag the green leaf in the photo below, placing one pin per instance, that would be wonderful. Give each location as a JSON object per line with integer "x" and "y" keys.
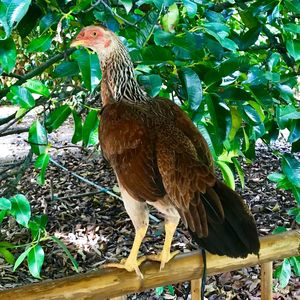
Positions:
{"x": 220, "y": 119}
{"x": 283, "y": 273}
{"x": 193, "y": 87}
{"x": 295, "y": 262}
{"x": 35, "y": 259}
{"x": 66, "y": 250}
{"x": 273, "y": 60}
{"x": 294, "y": 131}
{"x": 291, "y": 168}
{"x": 90, "y": 124}
{"x": 81, "y": 5}
{"x": 8, "y": 256}
{"x": 2, "y": 215}
{"x": 8, "y": 55}
{"x": 253, "y": 116}
{"x": 191, "y": 8}
{"x": 162, "y": 38}
{"x": 249, "y": 38}
{"x": 171, "y": 289}
{"x": 36, "y": 86}
{"x": 67, "y": 68}
{"x": 217, "y": 27}
{"x": 293, "y": 5}
{"x": 279, "y": 229}
{"x": 240, "y": 171}
{"x": 14, "y": 11}
{"x": 227, "y": 174}
{"x": 77, "y": 135}
{"x": 293, "y": 48}
{"x": 89, "y": 68}
{"x": 40, "y": 44}
{"x": 236, "y": 122}
{"x": 276, "y": 177}
{"x": 41, "y": 163}
{"x": 151, "y": 83}
{"x": 291, "y": 27}
{"x": 37, "y": 226}
{"x": 159, "y": 290}
{"x": 171, "y": 18}
{"x": 247, "y": 17}
{"x": 286, "y": 113}
{"x": 153, "y": 55}
{"x": 38, "y": 138}
{"x": 20, "y": 209}
{"x": 208, "y": 139}
{"x": 29, "y": 21}
{"x": 5, "y": 204}
{"x": 20, "y": 259}
{"x": 229, "y": 44}
{"x": 47, "y": 21}
{"x": 127, "y": 5}
{"x": 21, "y": 96}
{"x": 57, "y": 117}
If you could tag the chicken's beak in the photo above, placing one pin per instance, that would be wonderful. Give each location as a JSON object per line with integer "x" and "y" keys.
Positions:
{"x": 76, "y": 43}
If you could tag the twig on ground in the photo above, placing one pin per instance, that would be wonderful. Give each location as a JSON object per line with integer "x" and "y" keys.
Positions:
{"x": 76, "y": 195}
{"x": 12, "y": 186}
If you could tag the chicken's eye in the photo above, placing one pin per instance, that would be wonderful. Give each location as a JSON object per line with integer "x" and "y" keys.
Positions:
{"x": 94, "y": 33}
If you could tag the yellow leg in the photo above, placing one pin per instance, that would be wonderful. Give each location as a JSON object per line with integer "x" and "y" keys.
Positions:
{"x": 131, "y": 263}
{"x": 166, "y": 255}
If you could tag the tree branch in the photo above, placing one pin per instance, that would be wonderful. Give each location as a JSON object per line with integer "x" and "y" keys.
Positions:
{"x": 15, "y": 131}
{"x": 38, "y": 70}
{"x": 7, "y": 119}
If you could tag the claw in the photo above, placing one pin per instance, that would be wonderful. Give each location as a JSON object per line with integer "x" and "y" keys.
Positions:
{"x": 129, "y": 264}
{"x": 163, "y": 257}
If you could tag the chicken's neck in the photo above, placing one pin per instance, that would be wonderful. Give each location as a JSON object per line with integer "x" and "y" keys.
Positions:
{"x": 118, "y": 80}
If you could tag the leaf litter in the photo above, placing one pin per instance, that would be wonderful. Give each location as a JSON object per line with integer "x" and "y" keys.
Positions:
{"x": 96, "y": 228}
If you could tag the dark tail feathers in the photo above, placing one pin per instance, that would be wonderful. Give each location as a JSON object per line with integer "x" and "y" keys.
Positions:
{"x": 235, "y": 237}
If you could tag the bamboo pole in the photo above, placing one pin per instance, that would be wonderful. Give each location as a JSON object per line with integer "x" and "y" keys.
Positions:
{"x": 108, "y": 283}
{"x": 196, "y": 289}
{"x": 266, "y": 280}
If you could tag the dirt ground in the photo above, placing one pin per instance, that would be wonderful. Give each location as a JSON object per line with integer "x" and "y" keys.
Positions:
{"x": 97, "y": 230}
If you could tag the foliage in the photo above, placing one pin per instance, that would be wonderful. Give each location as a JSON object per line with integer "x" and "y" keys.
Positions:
{"x": 288, "y": 180}
{"x": 18, "y": 207}
{"x": 232, "y": 66}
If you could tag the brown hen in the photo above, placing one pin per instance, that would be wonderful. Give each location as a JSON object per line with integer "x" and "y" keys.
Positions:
{"x": 161, "y": 159}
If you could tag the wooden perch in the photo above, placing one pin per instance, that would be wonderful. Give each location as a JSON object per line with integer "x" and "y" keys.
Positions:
{"x": 108, "y": 283}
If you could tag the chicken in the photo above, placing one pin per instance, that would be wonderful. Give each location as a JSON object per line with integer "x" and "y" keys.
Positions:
{"x": 160, "y": 158}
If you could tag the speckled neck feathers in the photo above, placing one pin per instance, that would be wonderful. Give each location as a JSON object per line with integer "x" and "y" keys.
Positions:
{"x": 118, "y": 80}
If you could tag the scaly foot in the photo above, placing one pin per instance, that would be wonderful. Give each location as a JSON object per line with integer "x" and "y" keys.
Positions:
{"x": 129, "y": 264}
{"x": 163, "y": 257}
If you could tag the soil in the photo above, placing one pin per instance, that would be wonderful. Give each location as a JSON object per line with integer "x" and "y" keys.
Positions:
{"x": 97, "y": 230}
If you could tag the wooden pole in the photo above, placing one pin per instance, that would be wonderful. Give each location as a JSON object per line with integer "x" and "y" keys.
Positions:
{"x": 196, "y": 289}
{"x": 109, "y": 283}
{"x": 266, "y": 280}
